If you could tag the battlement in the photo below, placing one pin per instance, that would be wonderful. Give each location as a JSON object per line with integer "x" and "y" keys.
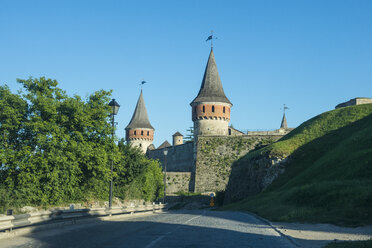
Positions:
{"x": 140, "y": 134}
{"x": 211, "y": 111}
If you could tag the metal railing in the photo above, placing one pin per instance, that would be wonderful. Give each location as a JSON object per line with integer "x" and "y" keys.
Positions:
{"x": 45, "y": 217}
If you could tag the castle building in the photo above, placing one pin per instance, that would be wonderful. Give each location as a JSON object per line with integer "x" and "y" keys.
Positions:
{"x": 204, "y": 164}
{"x": 139, "y": 132}
{"x": 211, "y": 108}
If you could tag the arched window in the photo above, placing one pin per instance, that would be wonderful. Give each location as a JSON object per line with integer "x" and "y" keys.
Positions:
{"x": 140, "y": 145}
{"x": 224, "y": 109}
{"x": 229, "y": 131}
{"x": 213, "y": 109}
{"x": 141, "y": 132}
{"x": 135, "y": 132}
{"x": 203, "y": 109}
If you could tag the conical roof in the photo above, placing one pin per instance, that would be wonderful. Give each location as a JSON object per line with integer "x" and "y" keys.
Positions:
{"x": 177, "y": 134}
{"x": 211, "y": 88}
{"x": 140, "y": 118}
{"x": 165, "y": 144}
{"x": 284, "y": 122}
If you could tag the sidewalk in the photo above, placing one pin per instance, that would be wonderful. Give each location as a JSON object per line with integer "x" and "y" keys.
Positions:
{"x": 318, "y": 235}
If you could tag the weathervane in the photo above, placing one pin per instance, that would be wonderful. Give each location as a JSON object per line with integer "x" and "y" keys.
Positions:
{"x": 210, "y": 37}
{"x": 142, "y": 83}
{"x": 284, "y": 108}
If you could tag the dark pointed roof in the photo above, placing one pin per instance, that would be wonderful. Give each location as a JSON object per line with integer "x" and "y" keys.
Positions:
{"x": 140, "y": 118}
{"x": 284, "y": 122}
{"x": 177, "y": 134}
{"x": 211, "y": 88}
{"x": 164, "y": 145}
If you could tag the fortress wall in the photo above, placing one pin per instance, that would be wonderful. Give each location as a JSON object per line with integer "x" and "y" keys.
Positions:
{"x": 216, "y": 154}
{"x": 178, "y": 182}
{"x": 180, "y": 158}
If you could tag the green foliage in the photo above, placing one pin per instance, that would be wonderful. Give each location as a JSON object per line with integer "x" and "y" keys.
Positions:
{"x": 350, "y": 244}
{"x": 55, "y": 148}
{"x": 137, "y": 176}
{"x": 314, "y": 128}
{"x": 328, "y": 177}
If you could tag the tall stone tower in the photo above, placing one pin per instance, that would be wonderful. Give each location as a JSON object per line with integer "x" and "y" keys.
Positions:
{"x": 211, "y": 108}
{"x": 139, "y": 132}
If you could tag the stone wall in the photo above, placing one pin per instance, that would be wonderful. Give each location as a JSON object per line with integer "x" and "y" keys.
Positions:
{"x": 215, "y": 155}
{"x": 355, "y": 101}
{"x": 249, "y": 177}
{"x": 178, "y": 182}
{"x": 179, "y": 159}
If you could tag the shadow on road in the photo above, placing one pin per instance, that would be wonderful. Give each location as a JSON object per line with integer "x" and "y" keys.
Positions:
{"x": 197, "y": 228}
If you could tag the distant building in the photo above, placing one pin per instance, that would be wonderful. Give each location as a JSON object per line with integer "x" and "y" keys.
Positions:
{"x": 355, "y": 101}
{"x": 177, "y": 139}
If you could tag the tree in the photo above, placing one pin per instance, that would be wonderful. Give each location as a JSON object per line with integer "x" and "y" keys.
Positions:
{"x": 57, "y": 149}
{"x": 137, "y": 176}
{"x": 190, "y": 134}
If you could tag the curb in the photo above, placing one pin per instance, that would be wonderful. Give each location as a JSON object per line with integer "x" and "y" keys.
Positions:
{"x": 289, "y": 238}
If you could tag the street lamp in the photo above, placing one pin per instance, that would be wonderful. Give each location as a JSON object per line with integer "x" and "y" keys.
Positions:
{"x": 165, "y": 173}
{"x": 114, "y": 111}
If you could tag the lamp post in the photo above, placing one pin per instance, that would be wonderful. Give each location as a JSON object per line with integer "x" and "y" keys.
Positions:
{"x": 165, "y": 173}
{"x": 114, "y": 111}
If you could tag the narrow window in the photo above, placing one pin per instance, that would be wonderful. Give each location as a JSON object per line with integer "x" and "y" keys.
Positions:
{"x": 223, "y": 109}
{"x": 135, "y": 132}
{"x": 213, "y": 109}
{"x": 141, "y": 132}
{"x": 148, "y": 133}
{"x": 203, "y": 109}
{"x": 229, "y": 131}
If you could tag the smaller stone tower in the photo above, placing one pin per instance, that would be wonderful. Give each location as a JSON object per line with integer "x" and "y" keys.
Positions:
{"x": 139, "y": 132}
{"x": 284, "y": 125}
{"x": 211, "y": 108}
{"x": 177, "y": 139}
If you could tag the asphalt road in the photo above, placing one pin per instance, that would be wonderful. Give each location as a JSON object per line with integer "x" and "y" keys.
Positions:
{"x": 197, "y": 228}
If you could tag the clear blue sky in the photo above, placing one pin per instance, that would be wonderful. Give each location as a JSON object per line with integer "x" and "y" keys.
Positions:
{"x": 310, "y": 55}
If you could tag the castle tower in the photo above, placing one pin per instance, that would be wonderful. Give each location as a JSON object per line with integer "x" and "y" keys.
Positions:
{"x": 211, "y": 108}
{"x": 177, "y": 139}
{"x": 139, "y": 132}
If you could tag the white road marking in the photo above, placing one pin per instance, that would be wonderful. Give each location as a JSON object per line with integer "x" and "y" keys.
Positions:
{"x": 166, "y": 234}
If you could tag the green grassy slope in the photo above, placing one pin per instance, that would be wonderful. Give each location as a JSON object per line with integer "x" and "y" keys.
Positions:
{"x": 329, "y": 175}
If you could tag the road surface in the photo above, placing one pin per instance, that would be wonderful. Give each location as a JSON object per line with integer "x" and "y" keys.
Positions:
{"x": 196, "y": 228}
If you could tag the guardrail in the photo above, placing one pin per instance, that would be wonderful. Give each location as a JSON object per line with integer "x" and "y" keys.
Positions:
{"x": 45, "y": 217}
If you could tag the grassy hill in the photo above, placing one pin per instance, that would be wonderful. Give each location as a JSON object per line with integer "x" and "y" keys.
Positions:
{"x": 328, "y": 176}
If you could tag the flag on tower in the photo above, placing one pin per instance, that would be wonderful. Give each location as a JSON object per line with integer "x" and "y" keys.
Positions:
{"x": 209, "y": 37}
